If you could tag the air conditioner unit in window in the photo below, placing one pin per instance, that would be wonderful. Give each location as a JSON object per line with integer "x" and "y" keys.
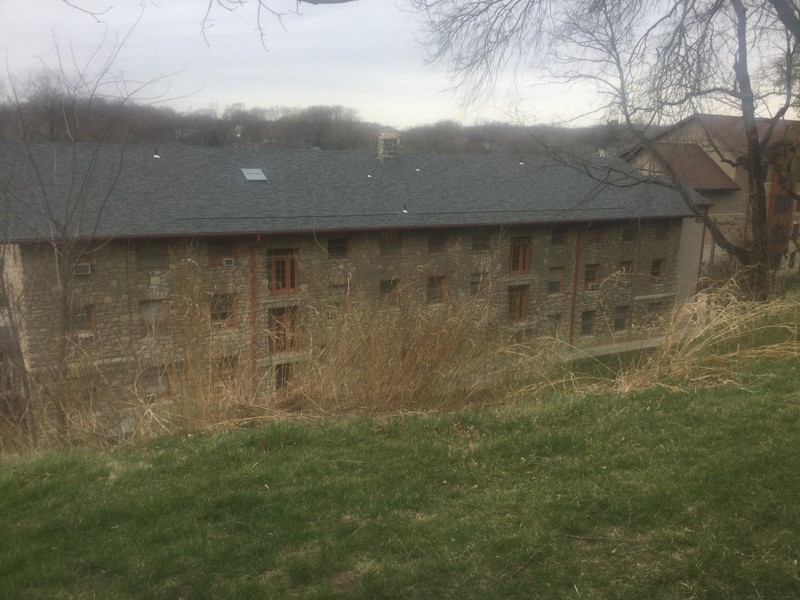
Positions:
{"x": 83, "y": 268}
{"x": 593, "y": 287}
{"x": 228, "y": 262}
{"x": 85, "y": 338}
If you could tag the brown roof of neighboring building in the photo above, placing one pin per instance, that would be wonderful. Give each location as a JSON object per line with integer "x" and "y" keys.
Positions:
{"x": 727, "y": 133}
{"x": 695, "y": 168}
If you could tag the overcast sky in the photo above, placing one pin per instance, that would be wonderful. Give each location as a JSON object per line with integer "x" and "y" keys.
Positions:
{"x": 363, "y": 54}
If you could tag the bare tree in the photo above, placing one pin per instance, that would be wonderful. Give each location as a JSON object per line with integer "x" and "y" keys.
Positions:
{"x": 650, "y": 63}
{"x": 60, "y": 195}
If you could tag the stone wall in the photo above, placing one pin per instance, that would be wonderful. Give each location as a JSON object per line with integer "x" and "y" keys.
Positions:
{"x": 137, "y": 322}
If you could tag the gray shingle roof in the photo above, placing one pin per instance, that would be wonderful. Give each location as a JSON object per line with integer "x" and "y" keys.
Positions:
{"x": 54, "y": 190}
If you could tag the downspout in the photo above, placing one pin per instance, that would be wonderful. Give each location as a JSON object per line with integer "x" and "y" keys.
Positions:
{"x": 574, "y": 301}
{"x": 700, "y": 261}
{"x": 253, "y": 316}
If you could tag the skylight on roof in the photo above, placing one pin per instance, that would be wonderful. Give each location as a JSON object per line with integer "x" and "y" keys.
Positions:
{"x": 254, "y": 175}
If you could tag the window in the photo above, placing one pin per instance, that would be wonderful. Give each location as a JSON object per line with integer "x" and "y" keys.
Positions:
{"x": 338, "y": 247}
{"x": 82, "y": 325}
{"x": 389, "y": 290}
{"x": 151, "y": 254}
{"x": 587, "y": 322}
{"x": 223, "y": 309}
{"x": 219, "y": 249}
{"x": 657, "y": 270}
{"x": 517, "y": 303}
{"x": 154, "y": 314}
{"x": 784, "y": 205}
{"x": 558, "y": 236}
{"x": 225, "y": 370}
{"x": 626, "y": 272}
{"x": 282, "y": 271}
{"x": 655, "y": 314}
{"x": 82, "y": 319}
{"x": 661, "y": 230}
{"x": 630, "y": 232}
{"x": 519, "y": 256}
{"x": 283, "y": 329}
{"x": 479, "y": 285}
{"x": 156, "y": 383}
{"x": 436, "y": 289}
{"x": 283, "y": 373}
{"x": 779, "y": 233}
{"x": 555, "y": 280}
{"x": 554, "y": 323}
{"x": 480, "y": 240}
{"x": 437, "y": 241}
{"x": 591, "y": 277}
{"x": 594, "y": 237}
{"x": 390, "y": 243}
{"x": 621, "y": 316}
{"x": 338, "y": 295}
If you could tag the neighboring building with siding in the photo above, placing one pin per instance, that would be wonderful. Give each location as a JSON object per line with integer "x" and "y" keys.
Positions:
{"x": 707, "y": 152}
{"x": 249, "y": 255}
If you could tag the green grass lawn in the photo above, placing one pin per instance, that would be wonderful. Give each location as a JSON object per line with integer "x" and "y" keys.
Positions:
{"x": 656, "y": 494}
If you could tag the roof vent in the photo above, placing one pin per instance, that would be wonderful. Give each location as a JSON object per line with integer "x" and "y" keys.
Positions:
{"x": 254, "y": 175}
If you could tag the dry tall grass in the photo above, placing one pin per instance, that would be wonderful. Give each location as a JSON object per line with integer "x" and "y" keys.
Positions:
{"x": 713, "y": 337}
{"x": 410, "y": 356}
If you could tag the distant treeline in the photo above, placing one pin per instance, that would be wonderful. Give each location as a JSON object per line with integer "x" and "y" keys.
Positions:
{"x": 55, "y": 117}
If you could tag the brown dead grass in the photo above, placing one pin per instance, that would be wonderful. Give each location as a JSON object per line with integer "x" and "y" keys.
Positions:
{"x": 410, "y": 357}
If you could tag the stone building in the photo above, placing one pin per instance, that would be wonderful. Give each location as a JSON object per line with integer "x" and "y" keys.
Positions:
{"x": 121, "y": 262}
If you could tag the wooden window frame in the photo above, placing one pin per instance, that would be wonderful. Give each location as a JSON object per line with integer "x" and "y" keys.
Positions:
{"x": 283, "y": 326}
{"x": 389, "y": 291}
{"x": 658, "y": 270}
{"x": 588, "y": 322}
{"x": 519, "y": 250}
{"x": 555, "y": 326}
{"x": 215, "y": 258}
{"x": 339, "y": 247}
{"x": 621, "y": 317}
{"x": 153, "y": 325}
{"x": 591, "y": 276}
{"x": 391, "y": 243}
{"x": 783, "y": 205}
{"x": 630, "y": 232}
{"x": 594, "y": 237}
{"x": 479, "y": 285}
{"x": 661, "y": 230}
{"x": 282, "y": 373}
{"x": 283, "y": 271}
{"x": 517, "y": 303}
{"x": 559, "y": 236}
{"x": 436, "y": 289}
{"x": 157, "y": 382}
{"x": 83, "y": 334}
{"x": 437, "y": 242}
{"x": 555, "y": 286}
{"x": 480, "y": 240}
{"x": 223, "y": 310}
{"x": 141, "y": 255}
